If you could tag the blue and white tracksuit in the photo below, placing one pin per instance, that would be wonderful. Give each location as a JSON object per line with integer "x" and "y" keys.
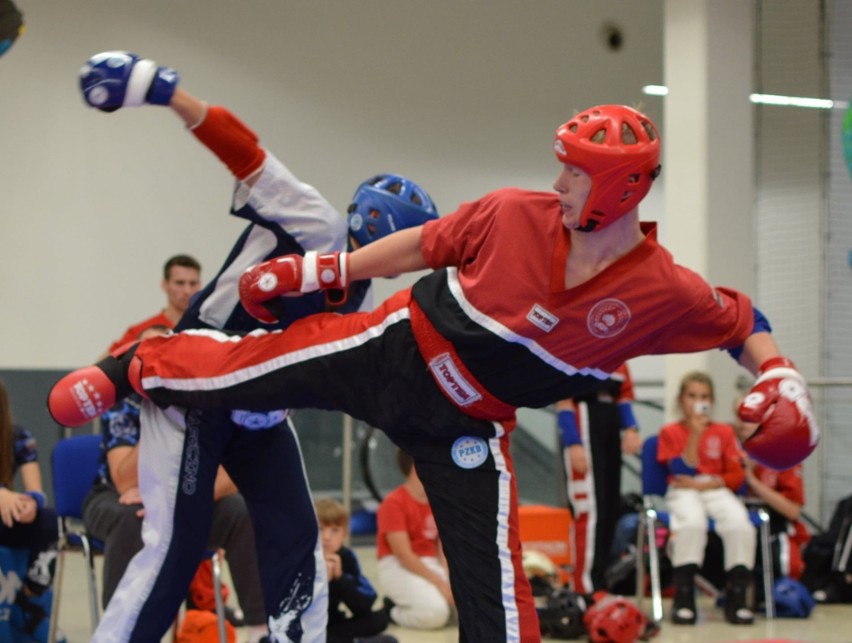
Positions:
{"x": 181, "y": 450}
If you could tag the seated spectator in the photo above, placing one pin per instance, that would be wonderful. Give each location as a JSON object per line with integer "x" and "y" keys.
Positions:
{"x": 25, "y": 521}
{"x": 351, "y": 617}
{"x": 705, "y": 471}
{"x": 112, "y": 512}
{"x": 412, "y": 568}
{"x": 181, "y": 280}
{"x": 783, "y": 492}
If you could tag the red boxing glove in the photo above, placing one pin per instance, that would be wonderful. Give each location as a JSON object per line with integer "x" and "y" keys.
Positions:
{"x": 780, "y": 404}
{"x": 263, "y": 284}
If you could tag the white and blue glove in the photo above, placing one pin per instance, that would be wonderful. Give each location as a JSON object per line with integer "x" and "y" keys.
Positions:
{"x": 115, "y": 79}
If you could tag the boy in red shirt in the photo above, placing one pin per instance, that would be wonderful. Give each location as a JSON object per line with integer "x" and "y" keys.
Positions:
{"x": 412, "y": 568}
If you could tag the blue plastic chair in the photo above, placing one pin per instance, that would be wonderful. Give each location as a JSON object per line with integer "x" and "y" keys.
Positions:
{"x": 75, "y": 465}
{"x": 655, "y": 483}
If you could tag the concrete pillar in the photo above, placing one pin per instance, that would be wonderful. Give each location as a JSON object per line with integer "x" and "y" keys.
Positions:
{"x": 708, "y": 162}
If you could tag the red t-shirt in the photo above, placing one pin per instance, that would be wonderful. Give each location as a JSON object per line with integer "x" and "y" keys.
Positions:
{"x": 790, "y": 485}
{"x": 718, "y": 451}
{"x": 134, "y": 331}
{"x": 400, "y": 511}
{"x": 788, "y": 482}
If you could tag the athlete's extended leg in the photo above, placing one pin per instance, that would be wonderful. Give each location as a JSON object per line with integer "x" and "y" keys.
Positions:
{"x": 312, "y": 364}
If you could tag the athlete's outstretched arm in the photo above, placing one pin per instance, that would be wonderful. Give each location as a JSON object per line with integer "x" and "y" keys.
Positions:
{"x": 392, "y": 255}
{"x": 190, "y": 109}
{"x": 758, "y": 348}
{"x": 262, "y": 285}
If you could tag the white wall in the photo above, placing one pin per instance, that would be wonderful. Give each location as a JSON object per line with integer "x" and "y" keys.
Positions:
{"x": 463, "y": 97}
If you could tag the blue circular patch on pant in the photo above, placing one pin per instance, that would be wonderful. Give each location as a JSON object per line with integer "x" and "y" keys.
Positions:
{"x": 469, "y": 452}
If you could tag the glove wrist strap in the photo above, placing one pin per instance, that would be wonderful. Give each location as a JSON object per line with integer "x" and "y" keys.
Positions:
{"x": 139, "y": 82}
{"x": 332, "y": 271}
{"x": 162, "y": 86}
{"x": 776, "y": 362}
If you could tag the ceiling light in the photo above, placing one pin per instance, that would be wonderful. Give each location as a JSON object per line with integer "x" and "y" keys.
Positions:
{"x": 768, "y": 99}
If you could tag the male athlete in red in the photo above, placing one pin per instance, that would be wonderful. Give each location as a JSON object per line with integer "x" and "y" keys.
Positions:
{"x": 533, "y": 297}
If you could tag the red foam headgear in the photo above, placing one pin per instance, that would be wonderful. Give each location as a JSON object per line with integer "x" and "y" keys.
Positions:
{"x": 614, "y": 619}
{"x": 620, "y": 149}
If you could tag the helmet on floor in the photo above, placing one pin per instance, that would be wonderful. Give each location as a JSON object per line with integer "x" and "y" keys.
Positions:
{"x": 386, "y": 203}
{"x": 562, "y": 615}
{"x": 614, "y": 619}
{"x": 540, "y": 571}
{"x": 619, "y": 148}
{"x": 792, "y": 598}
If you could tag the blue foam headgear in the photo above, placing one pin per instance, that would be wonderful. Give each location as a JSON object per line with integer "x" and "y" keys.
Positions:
{"x": 792, "y": 598}
{"x": 386, "y": 203}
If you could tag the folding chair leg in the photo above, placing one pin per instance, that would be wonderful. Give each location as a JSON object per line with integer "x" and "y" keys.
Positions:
{"x": 93, "y": 587}
{"x": 766, "y": 558}
{"x": 217, "y": 591}
{"x": 57, "y": 594}
{"x": 840, "y": 561}
{"x": 640, "y": 561}
{"x": 654, "y": 564}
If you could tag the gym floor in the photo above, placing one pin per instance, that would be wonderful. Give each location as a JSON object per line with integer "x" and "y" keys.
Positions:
{"x": 827, "y": 624}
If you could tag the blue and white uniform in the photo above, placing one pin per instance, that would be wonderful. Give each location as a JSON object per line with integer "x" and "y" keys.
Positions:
{"x": 181, "y": 450}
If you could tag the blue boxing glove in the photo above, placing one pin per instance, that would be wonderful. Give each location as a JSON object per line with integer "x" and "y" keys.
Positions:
{"x": 115, "y": 79}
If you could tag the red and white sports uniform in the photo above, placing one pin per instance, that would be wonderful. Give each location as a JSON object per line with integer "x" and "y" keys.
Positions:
{"x": 183, "y": 449}
{"x": 718, "y": 455}
{"x": 596, "y": 494}
{"x": 718, "y": 451}
{"x": 524, "y": 336}
{"x": 788, "y": 537}
{"x": 494, "y": 329}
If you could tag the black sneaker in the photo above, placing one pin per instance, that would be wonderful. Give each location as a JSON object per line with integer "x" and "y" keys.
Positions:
{"x": 736, "y": 596}
{"x": 35, "y": 612}
{"x": 387, "y": 606}
{"x": 234, "y": 616}
{"x": 683, "y": 607}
